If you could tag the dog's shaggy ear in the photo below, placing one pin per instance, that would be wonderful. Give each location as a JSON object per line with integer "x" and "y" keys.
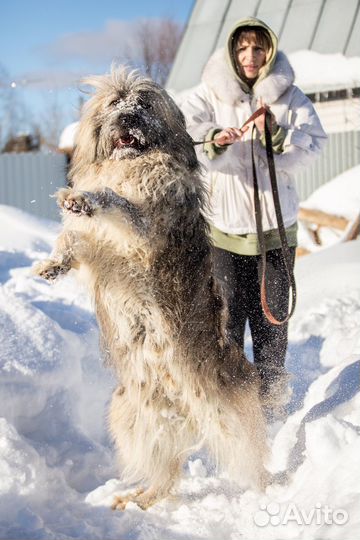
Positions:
{"x": 175, "y": 139}
{"x": 180, "y": 143}
{"x": 87, "y": 134}
{"x": 85, "y": 144}
{"x": 173, "y": 135}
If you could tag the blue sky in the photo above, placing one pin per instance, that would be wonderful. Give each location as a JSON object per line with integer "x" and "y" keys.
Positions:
{"x": 49, "y": 44}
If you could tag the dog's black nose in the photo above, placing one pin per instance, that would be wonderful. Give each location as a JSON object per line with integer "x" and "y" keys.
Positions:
{"x": 123, "y": 120}
{"x": 129, "y": 121}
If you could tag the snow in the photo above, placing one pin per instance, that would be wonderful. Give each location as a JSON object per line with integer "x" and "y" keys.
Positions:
{"x": 339, "y": 197}
{"x": 67, "y": 136}
{"x": 58, "y": 473}
{"x": 316, "y": 72}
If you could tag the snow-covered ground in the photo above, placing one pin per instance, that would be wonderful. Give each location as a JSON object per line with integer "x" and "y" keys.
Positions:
{"x": 57, "y": 468}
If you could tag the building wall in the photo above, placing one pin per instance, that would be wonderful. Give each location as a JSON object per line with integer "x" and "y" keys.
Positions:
{"x": 342, "y": 152}
{"x": 28, "y": 180}
{"x": 339, "y": 115}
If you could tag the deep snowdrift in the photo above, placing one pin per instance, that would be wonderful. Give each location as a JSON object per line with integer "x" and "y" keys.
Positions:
{"x": 57, "y": 468}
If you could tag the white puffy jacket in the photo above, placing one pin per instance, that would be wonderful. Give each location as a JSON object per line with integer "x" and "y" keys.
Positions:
{"x": 220, "y": 102}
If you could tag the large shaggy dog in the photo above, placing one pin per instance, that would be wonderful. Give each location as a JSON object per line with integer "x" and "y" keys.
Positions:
{"x": 134, "y": 230}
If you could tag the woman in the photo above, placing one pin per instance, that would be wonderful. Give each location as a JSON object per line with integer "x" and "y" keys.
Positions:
{"x": 248, "y": 74}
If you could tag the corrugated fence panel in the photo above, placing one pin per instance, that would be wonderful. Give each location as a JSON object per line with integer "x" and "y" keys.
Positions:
{"x": 28, "y": 180}
{"x": 341, "y": 152}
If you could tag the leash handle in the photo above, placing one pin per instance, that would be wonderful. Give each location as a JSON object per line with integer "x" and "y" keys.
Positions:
{"x": 253, "y": 117}
{"x": 258, "y": 217}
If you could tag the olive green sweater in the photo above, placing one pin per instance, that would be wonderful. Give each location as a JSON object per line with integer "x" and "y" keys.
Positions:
{"x": 247, "y": 244}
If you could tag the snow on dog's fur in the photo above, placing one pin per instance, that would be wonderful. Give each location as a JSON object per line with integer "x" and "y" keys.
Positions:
{"x": 134, "y": 230}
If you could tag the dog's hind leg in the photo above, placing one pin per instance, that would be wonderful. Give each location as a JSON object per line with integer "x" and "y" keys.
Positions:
{"x": 71, "y": 249}
{"x": 155, "y": 493}
{"x": 148, "y": 447}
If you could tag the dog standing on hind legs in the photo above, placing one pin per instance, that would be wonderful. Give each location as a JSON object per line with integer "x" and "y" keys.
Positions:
{"x": 134, "y": 231}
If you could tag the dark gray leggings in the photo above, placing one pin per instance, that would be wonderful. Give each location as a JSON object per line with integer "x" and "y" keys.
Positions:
{"x": 239, "y": 277}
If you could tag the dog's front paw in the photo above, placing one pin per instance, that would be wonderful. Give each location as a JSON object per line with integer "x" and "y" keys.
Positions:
{"x": 76, "y": 203}
{"x": 50, "y": 269}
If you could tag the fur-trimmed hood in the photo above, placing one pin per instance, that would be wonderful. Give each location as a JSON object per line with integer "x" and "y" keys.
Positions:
{"x": 218, "y": 76}
{"x": 251, "y": 23}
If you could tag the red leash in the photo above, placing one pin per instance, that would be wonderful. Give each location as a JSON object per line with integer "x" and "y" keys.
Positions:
{"x": 282, "y": 233}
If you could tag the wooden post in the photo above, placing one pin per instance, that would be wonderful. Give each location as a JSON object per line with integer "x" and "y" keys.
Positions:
{"x": 354, "y": 230}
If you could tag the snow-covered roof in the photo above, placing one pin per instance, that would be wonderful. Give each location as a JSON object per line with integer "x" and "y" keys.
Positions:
{"x": 327, "y": 27}
{"x": 67, "y": 136}
{"x": 316, "y": 72}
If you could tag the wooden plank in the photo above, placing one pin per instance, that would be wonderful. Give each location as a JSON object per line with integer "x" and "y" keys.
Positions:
{"x": 323, "y": 219}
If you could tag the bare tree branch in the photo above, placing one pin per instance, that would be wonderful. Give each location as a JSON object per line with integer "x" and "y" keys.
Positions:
{"x": 156, "y": 42}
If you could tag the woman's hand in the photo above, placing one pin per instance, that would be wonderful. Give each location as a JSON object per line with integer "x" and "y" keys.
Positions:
{"x": 229, "y": 135}
{"x": 260, "y": 120}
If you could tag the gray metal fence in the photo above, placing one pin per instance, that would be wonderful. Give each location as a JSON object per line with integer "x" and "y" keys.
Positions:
{"x": 28, "y": 180}
{"x": 341, "y": 152}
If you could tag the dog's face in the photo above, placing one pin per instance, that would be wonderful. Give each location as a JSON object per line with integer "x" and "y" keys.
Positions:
{"x": 128, "y": 116}
{"x": 133, "y": 121}
{"x": 128, "y": 119}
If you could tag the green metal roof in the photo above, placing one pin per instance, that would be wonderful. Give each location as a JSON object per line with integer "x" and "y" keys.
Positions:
{"x": 324, "y": 26}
